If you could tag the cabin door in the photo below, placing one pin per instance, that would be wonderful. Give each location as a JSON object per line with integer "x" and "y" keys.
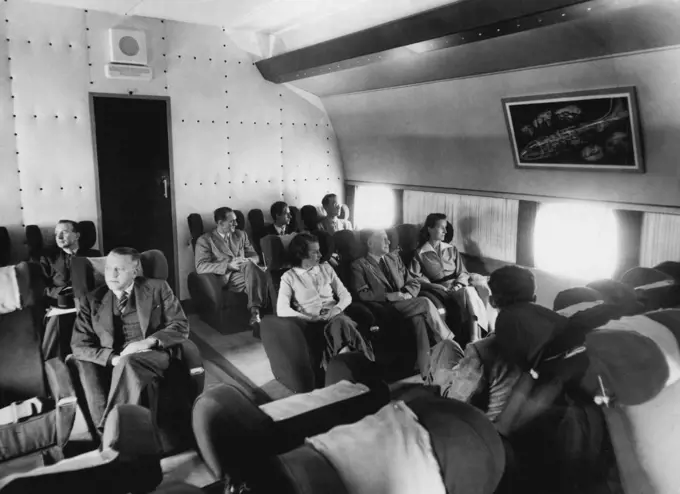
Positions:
{"x": 135, "y": 187}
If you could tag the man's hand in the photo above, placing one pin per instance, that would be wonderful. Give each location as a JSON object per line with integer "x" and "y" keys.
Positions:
{"x": 138, "y": 346}
{"x": 115, "y": 360}
{"x": 236, "y": 264}
{"x": 406, "y": 296}
{"x": 394, "y": 296}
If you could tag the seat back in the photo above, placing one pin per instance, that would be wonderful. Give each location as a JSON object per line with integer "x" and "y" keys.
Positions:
{"x": 644, "y": 392}
{"x": 22, "y": 372}
{"x": 671, "y": 268}
{"x": 5, "y": 247}
{"x": 408, "y": 241}
{"x": 448, "y": 238}
{"x": 88, "y": 234}
{"x": 154, "y": 265}
{"x": 34, "y": 242}
{"x": 257, "y": 225}
{"x": 295, "y": 219}
{"x": 195, "y": 227}
{"x": 240, "y": 220}
{"x": 310, "y": 217}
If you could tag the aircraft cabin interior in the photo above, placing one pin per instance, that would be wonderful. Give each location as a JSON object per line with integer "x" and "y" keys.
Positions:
{"x": 339, "y": 247}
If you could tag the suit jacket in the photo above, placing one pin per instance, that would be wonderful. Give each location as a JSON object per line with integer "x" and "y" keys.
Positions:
{"x": 56, "y": 273}
{"x": 271, "y": 230}
{"x": 371, "y": 285}
{"x": 158, "y": 309}
{"x": 213, "y": 252}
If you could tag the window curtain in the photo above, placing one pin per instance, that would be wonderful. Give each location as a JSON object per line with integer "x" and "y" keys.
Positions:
{"x": 483, "y": 226}
{"x": 660, "y": 239}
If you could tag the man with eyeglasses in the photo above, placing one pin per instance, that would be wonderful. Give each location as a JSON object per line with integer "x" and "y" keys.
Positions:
{"x": 227, "y": 252}
{"x": 123, "y": 335}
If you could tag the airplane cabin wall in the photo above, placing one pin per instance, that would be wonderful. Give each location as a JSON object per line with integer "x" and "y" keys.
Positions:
{"x": 452, "y": 134}
{"x": 237, "y": 140}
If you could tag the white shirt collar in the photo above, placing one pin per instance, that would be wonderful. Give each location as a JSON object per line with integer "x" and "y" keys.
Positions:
{"x": 128, "y": 291}
{"x": 280, "y": 229}
{"x": 427, "y": 247}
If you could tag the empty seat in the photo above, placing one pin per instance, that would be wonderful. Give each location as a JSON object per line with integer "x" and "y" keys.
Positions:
{"x": 34, "y": 242}
{"x": 39, "y": 440}
{"x": 5, "y": 247}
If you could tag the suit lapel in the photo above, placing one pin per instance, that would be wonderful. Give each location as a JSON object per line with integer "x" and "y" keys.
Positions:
{"x": 144, "y": 302}
{"x": 376, "y": 270}
{"x": 103, "y": 314}
{"x": 222, "y": 245}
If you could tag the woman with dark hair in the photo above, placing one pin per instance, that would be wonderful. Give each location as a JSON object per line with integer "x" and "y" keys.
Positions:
{"x": 440, "y": 264}
{"x": 313, "y": 292}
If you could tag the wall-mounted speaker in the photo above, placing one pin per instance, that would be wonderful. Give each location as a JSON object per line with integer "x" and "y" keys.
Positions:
{"x": 128, "y": 46}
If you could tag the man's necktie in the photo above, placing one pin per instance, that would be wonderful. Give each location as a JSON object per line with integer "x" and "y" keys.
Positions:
{"x": 387, "y": 273}
{"x": 122, "y": 302}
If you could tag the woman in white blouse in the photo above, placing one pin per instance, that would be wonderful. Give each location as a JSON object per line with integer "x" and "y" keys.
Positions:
{"x": 313, "y": 292}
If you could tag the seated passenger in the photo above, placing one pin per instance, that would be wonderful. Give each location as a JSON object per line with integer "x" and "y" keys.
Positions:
{"x": 56, "y": 268}
{"x": 56, "y": 263}
{"x": 227, "y": 252}
{"x": 492, "y": 366}
{"x": 281, "y": 217}
{"x": 124, "y": 334}
{"x": 440, "y": 263}
{"x": 381, "y": 278}
{"x": 331, "y": 223}
{"x": 314, "y": 293}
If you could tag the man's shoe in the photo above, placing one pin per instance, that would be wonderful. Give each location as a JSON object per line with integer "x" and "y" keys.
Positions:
{"x": 255, "y": 319}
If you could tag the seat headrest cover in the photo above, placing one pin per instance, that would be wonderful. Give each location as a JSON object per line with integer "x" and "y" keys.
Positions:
{"x": 640, "y": 276}
{"x": 130, "y": 431}
{"x": 195, "y": 225}
{"x": 10, "y": 296}
{"x": 98, "y": 269}
{"x": 576, "y": 295}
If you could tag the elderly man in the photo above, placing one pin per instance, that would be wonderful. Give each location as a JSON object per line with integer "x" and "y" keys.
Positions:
{"x": 281, "y": 216}
{"x": 123, "y": 336}
{"x": 331, "y": 223}
{"x": 227, "y": 252}
{"x": 56, "y": 268}
{"x": 381, "y": 280}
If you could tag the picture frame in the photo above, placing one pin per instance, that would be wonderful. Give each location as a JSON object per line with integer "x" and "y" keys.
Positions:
{"x": 595, "y": 130}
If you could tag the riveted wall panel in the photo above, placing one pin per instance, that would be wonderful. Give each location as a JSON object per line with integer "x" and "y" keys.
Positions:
{"x": 97, "y": 25}
{"x": 58, "y": 57}
{"x": 48, "y": 64}
{"x": 10, "y": 199}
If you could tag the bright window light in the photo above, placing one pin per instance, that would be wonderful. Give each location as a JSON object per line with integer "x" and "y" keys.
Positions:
{"x": 576, "y": 240}
{"x": 374, "y": 206}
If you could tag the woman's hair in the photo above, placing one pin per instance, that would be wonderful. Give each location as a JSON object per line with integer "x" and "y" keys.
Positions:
{"x": 512, "y": 285}
{"x": 299, "y": 247}
{"x": 430, "y": 222}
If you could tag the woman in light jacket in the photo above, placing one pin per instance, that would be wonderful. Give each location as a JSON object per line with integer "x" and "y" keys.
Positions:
{"x": 440, "y": 264}
{"x": 313, "y": 292}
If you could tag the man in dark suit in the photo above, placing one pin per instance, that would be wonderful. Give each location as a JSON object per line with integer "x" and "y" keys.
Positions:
{"x": 381, "y": 280}
{"x": 227, "y": 252}
{"x": 56, "y": 268}
{"x": 124, "y": 335}
{"x": 281, "y": 216}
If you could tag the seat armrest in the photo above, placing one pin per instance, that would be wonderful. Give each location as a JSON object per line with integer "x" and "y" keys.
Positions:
{"x": 190, "y": 356}
{"x": 64, "y": 394}
{"x": 206, "y": 291}
{"x": 289, "y": 352}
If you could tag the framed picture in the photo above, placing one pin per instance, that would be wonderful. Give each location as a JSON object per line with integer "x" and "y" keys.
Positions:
{"x": 585, "y": 130}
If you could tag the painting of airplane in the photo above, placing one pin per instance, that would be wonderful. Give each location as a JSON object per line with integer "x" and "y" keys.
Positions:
{"x": 585, "y": 130}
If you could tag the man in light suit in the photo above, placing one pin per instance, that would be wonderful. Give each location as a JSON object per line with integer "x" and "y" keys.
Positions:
{"x": 124, "y": 334}
{"x": 227, "y": 252}
{"x": 381, "y": 280}
{"x": 332, "y": 222}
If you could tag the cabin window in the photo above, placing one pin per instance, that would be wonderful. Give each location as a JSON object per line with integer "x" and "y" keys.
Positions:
{"x": 576, "y": 240}
{"x": 374, "y": 206}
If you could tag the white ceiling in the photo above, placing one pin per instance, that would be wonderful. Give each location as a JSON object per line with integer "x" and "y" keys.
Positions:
{"x": 293, "y": 23}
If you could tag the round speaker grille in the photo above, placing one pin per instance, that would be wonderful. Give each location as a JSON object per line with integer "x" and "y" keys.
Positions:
{"x": 129, "y": 46}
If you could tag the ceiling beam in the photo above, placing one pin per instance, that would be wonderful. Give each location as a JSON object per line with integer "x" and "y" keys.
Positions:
{"x": 458, "y": 23}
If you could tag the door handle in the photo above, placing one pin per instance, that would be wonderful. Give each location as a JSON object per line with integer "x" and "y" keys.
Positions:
{"x": 166, "y": 185}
